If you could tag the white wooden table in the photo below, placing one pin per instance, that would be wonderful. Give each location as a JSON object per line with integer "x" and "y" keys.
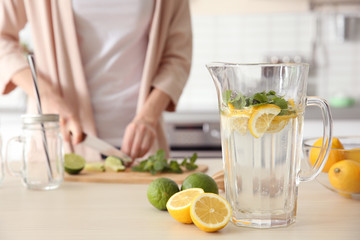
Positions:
{"x": 122, "y": 211}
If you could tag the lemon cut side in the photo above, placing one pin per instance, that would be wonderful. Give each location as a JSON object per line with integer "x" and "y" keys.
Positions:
{"x": 261, "y": 119}
{"x": 179, "y": 204}
{"x": 210, "y": 212}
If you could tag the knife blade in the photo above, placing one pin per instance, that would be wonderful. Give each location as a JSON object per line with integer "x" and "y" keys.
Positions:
{"x": 104, "y": 147}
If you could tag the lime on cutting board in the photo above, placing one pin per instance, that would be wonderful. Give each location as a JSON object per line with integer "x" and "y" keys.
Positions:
{"x": 73, "y": 163}
{"x": 114, "y": 164}
{"x": 95, "y": 167}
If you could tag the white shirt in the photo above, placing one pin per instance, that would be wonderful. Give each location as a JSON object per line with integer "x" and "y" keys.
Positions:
{"x": 113, "y": 38}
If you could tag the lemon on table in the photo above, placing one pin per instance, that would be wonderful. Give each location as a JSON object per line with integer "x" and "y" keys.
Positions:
{"x": 73, "y": 163}
{"x": 114, "y": 164}
{"x": 179, "y": 204}
{"x": 345, "y": 176}
{"x": 200, "y": 180}
{"x": 160, "y": 190}
{"x": 334, "y": 155}
{"x": 261, "y": 119}
{"x": 210, "y": 212}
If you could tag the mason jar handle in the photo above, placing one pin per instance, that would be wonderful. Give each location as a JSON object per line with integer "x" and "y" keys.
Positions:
{"x": 327, "y": 139}
{"x": 8, "y": 167}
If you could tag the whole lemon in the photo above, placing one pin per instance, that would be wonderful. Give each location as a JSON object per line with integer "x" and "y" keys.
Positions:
{"x": 345, "y": 176}
{"x": 334, "y": 156}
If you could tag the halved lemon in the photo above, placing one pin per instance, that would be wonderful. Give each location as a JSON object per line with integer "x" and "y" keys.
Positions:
{"x": 179, "y": 204}
{"x": 261, "y": 119}
{"x": 210, "y": 212}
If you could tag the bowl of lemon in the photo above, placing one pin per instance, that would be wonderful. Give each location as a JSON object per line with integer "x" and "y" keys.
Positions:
{"x": 341, "y": 173}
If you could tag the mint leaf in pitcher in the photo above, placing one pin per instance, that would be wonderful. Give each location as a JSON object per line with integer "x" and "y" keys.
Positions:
{"x": 227, "y": 96}
{"x": 239, "y": 101}
{"x": 260, "y": 98}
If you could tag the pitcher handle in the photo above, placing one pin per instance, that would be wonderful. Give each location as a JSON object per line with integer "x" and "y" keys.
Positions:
{"x": 327, "y": 139}
{"x": 8, "y": 167}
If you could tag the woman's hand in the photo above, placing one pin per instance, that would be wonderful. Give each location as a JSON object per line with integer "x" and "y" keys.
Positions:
{"x": 138, "y": 138}
{"x": 52, "y": 102}
{"x": 71, "y": 128}
{"x": 141, "y": 132}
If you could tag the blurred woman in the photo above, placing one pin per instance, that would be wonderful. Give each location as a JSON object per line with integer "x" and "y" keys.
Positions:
{"x": 108, "y": 68}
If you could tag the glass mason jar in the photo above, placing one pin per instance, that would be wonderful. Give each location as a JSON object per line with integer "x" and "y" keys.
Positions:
{"x": 41, "y": 164}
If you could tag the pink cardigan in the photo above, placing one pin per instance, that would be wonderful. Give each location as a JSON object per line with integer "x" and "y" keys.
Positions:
{"x": 167, "y": 63}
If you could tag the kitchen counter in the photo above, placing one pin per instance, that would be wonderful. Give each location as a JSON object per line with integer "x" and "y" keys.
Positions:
{"x": 121, "y": 211}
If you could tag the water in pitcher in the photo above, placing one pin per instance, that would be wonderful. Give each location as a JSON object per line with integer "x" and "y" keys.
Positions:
{"x": 261, "y": 170}
{"x": 261, "y": 108}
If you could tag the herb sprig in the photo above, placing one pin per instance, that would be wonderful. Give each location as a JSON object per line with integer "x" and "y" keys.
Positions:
{"x": 158, "y": 163}
{"x": 240, "y": 101}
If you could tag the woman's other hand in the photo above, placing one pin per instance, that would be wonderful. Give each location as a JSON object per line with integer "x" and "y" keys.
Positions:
{"x": 138, "y": 138}
{"x": 140, "y": 133}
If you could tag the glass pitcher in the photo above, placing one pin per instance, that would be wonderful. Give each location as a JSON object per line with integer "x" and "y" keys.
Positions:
{"x": 261, "y": 115}
{"x": 41, "y": 148}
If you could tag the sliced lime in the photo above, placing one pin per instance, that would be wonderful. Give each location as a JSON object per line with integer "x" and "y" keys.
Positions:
{"x": 114, "y": 164}
{"x": 73, "y": 163}
{"x": 95, "y": 167}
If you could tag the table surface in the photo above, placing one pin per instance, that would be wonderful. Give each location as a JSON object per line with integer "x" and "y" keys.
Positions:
{"x": 122, "y": 211}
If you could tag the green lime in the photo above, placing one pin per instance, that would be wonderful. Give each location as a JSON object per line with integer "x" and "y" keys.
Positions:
{"x": 113, "y": 163}
{"x": 160, "y": 190}
{"x": 200, "y": 180}
{"x": 95, "y": 167}
{"x": 73, "y": 163}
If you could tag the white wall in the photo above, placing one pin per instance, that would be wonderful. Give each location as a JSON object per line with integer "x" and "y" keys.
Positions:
{"x": 251, "y": 37}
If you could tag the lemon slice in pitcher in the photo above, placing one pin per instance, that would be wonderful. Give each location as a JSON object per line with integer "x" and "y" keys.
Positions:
{"x": 261, "y": 119}
{"x": 278, "y": 124}
{"x": 239, "y": 122}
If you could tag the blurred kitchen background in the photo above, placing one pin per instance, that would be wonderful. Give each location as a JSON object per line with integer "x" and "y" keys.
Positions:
{"x": 323, "y": 33}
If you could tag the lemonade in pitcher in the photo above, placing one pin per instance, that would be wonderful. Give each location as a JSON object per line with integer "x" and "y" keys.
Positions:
{"x": 261, "y": 110}
{"x": 257, "y": 136}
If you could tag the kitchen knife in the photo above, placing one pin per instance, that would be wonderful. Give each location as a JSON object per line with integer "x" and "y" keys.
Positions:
{"x": 104, "y": 147}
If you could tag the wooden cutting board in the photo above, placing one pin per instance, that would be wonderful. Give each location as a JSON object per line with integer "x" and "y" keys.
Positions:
{"x": 129, "y": 176}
